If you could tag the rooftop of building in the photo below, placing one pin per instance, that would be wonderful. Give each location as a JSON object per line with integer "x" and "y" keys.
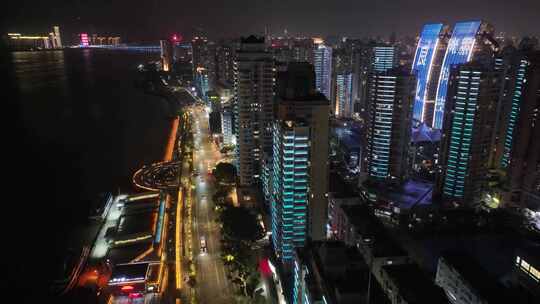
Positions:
{"x": 368, "y": 225}
{"x": 479, "y": 279}
{"x": 136, "y": 223}
{"x": 414, "y": 286}
{"x": 531, "y": 253}
{"x": 336, "y": 264}
{"x": 128, "y": 272}
{"x": 353, "y": 281}
{"x": 128, "y": 253}
{"x": 406, "y": 195}
{"x": 423, "y": 133}
{"x": 339, "y": 188}
{"x": 252, "y": 39}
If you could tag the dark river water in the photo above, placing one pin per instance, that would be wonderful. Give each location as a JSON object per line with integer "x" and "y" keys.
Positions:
{"x": 80, "y": 128}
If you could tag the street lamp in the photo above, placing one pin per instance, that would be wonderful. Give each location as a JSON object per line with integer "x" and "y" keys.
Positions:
{"x": 368, "y": 241}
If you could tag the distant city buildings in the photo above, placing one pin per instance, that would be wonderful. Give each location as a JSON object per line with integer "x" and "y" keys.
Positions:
{"x": 166, "y": 55}
{"x": 202, "y": 83}
{"x": 20, "y": 42}
{"x": 344, "y": 95}
{"x": 94, "y": 39}
{"x": 225, "y": 62}
{"x": 86, "y": 40}
{"x": 204, "y": 57}
{"x": 182, "y": 61}
{"x": 323, "y": 68}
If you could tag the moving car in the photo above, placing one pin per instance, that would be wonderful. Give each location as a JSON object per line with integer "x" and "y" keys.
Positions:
{"x": 203, "y": 245}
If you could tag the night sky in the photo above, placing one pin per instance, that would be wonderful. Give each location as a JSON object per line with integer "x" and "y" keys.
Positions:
{"x": 152, "y": 19}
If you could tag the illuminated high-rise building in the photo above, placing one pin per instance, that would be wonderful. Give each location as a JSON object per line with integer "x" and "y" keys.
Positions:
{"x": 521, "y": 156}
{"x": 202, "y": 83}
{"x": 84, "y": 40}
{"x": 379, "y": 59}
{"x": 183, "y": 66}
{"x": 470, "y": 115}
{"x": 299, "y": 174}
{"x": 424, "y": 58}
{"x": 226, "y": 125}
{"x": 204, "y": 57}
{"x": 344, "y": 95}
{"x": 225, "y": 62}
{"x": 384, "y": 58}
{"x": 390, "y": 101}
{"x": 323, "y": 68}
{"x": 166, "y": 55}
{"x": 56, "y": 39}
{"x": 302, "y": 50}
{"x": 470, "y": 40}
{"x": 253, "y": 106}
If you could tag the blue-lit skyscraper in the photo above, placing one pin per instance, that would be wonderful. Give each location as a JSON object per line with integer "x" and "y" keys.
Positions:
{"x": 460, "y": 49}
{"x": 426, "y": 52}
{"x": 470, "y": 113}
{"x": 299, "y": 168}
{"x": 518, "y": 84}
{"x": 323, "y": 69}
{"x": 289, "y": 206}
{"x": 521, "y": 153}
{"x": 390, "y": 99}
{"x": 344, "y": 99}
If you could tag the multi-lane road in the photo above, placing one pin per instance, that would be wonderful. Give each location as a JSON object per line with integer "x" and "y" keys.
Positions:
{"x": 212, "y": 283}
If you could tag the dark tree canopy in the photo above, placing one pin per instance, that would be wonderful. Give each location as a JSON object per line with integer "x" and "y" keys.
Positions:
{"x": 240, "y": 224}
{"x": 225, "y": 172}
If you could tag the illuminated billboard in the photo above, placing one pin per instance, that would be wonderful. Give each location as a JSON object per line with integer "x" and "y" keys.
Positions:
{"x": 422, "y": 64}
{"x": 460, "y": 49}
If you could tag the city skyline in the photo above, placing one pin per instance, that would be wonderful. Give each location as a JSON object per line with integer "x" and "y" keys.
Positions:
{"x": 291, "y": 164}
{"x": 341, "y": 18}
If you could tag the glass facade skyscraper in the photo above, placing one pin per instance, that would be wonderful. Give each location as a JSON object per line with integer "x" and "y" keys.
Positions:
{"x": 253, "y": 106}
{"x": 468, "y": 128}
{"x": 390, "y": 99}
{"x": 460, "y": 50}
{"x": 423, "y": 64}
{"x": 384, "y": 58}
{"x": 289, "y": 204}
{"x": 516, "y": 96}
{"x": 344, "y": 102}
{"x": 323, "y": 69}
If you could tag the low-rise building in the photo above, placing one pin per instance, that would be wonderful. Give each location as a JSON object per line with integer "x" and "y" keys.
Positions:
{"x": 526, "y": 272}
{"x": 329, "y": 272}
{"x": 466, "y": 282}
{"x": 407, "y": 284}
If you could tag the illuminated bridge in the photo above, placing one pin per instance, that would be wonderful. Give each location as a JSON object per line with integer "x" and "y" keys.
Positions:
{"x": 124, "y": 47}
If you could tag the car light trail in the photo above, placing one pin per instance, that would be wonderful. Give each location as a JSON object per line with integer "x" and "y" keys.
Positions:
{"x": 178, "y": 240}
{"x": 172, "y": 139}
